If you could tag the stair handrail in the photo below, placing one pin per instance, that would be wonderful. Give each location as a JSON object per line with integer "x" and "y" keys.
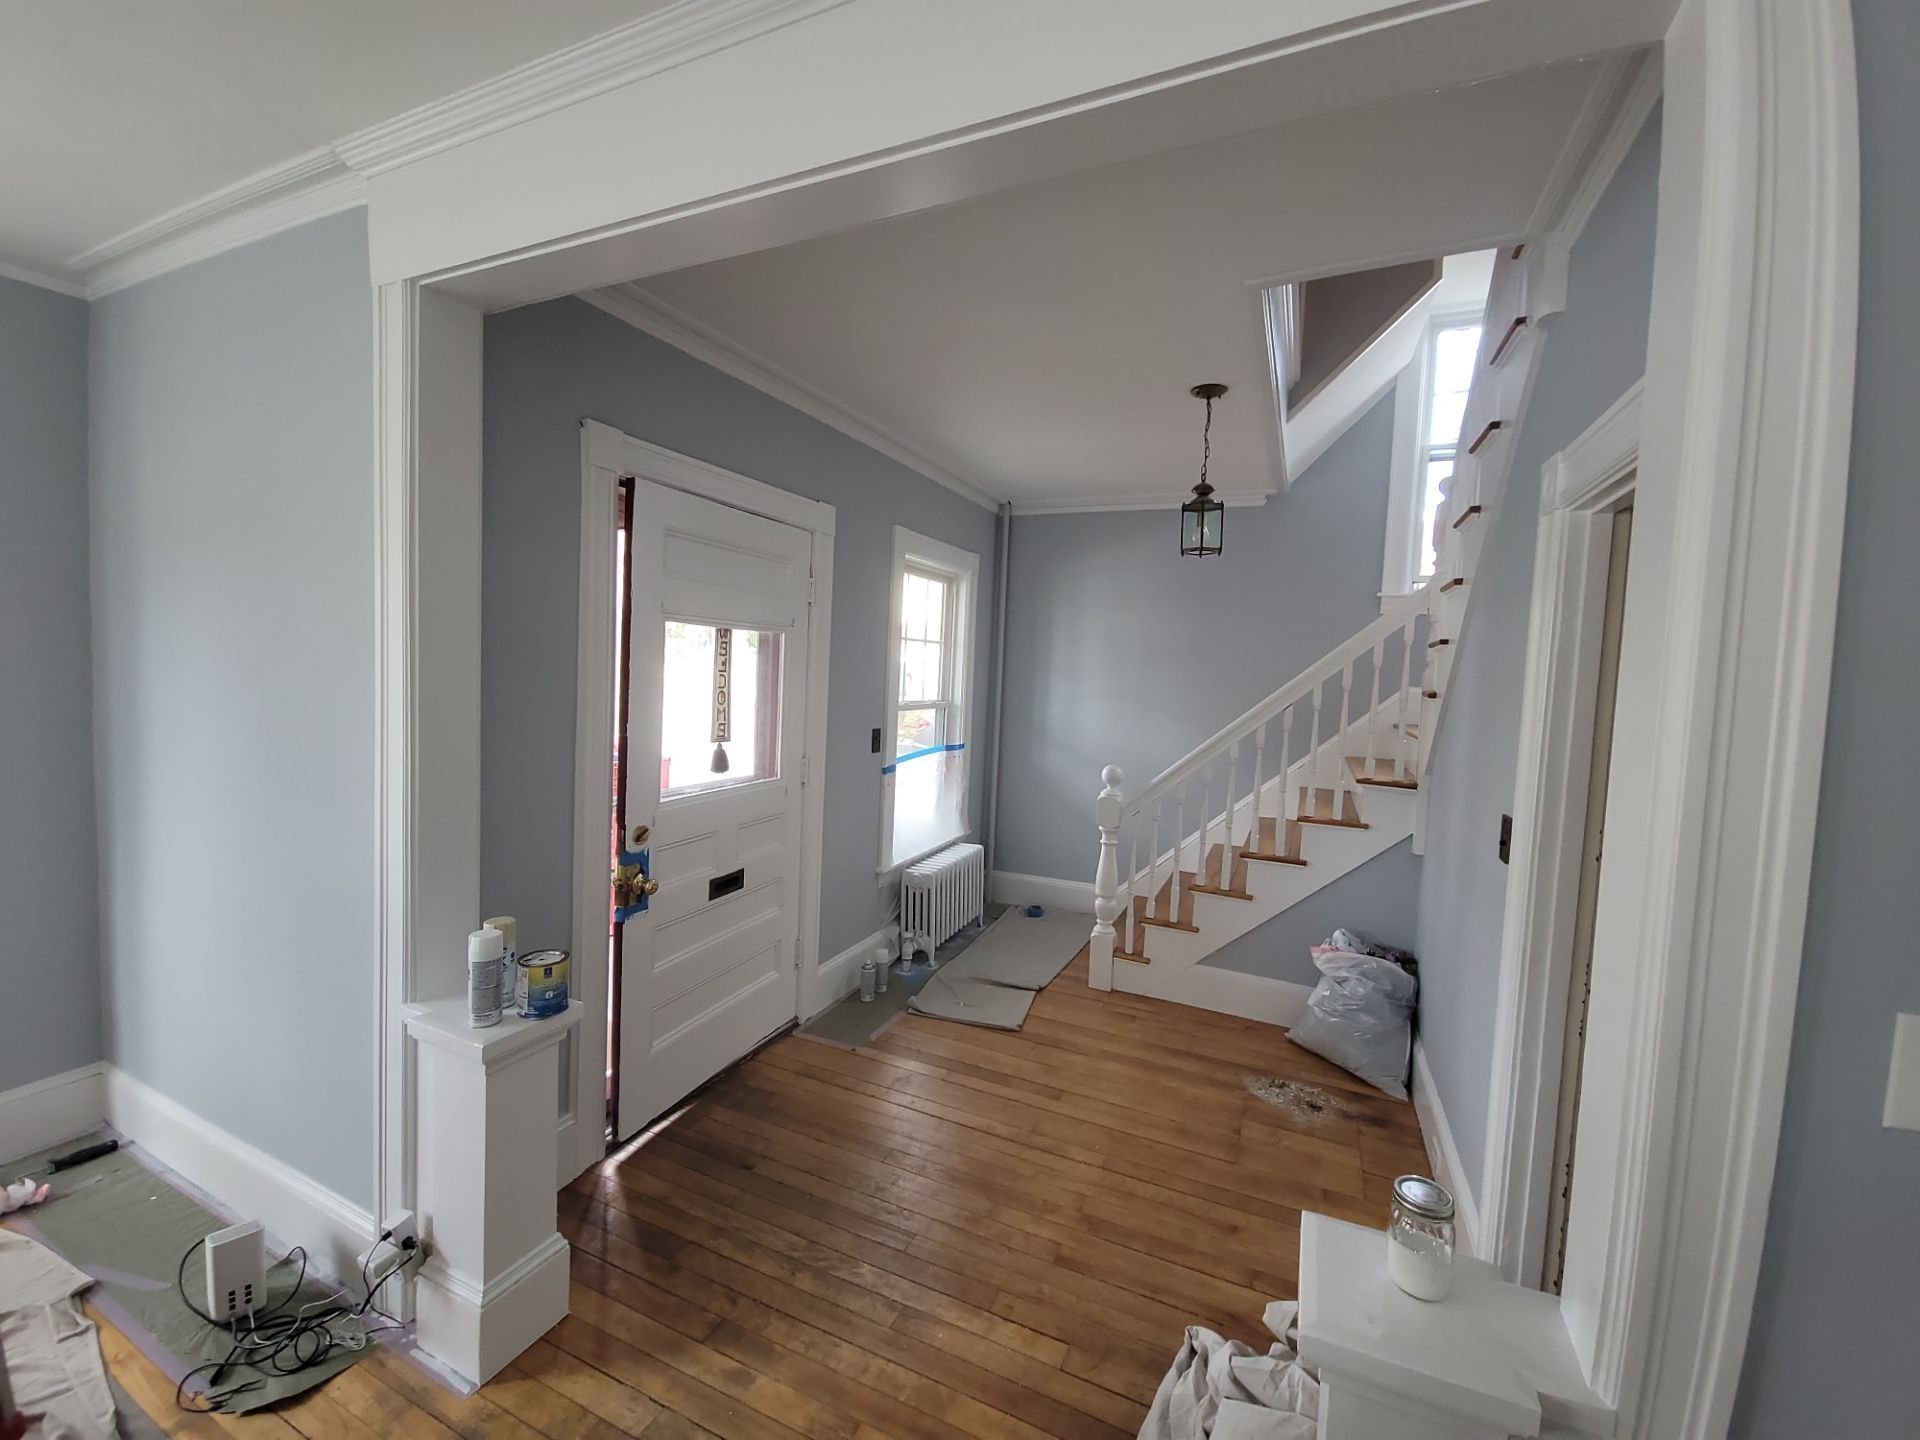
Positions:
{"x": 1393, "y": 618}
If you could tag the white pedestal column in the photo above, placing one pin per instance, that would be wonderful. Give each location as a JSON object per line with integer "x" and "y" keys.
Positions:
{"x": 1490, "y": 1361}
{"x": 487, "y": 1120}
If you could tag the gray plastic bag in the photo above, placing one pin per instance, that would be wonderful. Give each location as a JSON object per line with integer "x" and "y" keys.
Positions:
{"x": 1360, "y": 1015}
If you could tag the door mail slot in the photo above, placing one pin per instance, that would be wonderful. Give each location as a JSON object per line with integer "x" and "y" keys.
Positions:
{"x": 726, "y": 884}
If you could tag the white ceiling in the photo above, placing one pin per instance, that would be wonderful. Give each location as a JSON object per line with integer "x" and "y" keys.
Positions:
{"x": 1039, "y": 343}
{"x": 117, "y": 111}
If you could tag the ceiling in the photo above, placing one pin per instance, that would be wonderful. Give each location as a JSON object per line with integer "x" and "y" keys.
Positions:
{"x": 178, "y": 98}
{"x": 1039, "y": 343}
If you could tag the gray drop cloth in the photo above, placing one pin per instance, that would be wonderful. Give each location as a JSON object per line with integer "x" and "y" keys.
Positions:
{"x": 973, "y": 1002}
{"x": 52, "y": 1353}
{"x": 1023, "y": 951}
{"x": 1220, "y": 1389}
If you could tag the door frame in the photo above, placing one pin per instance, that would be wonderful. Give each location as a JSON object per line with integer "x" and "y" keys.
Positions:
{"x": 1580, "y": 487}
{"x": 1749, "y": 399}
{"x": 607, "y": 456}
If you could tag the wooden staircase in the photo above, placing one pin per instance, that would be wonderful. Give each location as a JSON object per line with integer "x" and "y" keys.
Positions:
{"x": 1314, "y": 781}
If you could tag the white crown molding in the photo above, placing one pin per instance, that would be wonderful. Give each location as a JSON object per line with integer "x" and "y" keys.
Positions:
{"x": 308, "y": 187}
{"x": 332, "y": 178}
{"x": 668, "y": 38}
{"x": 60, "y": 284}
{"x": 1623, "y": 95}
{"x": 1160, "y": 500}
{"x": 645, "y": 312}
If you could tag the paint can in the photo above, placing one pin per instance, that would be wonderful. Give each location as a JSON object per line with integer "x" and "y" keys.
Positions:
{"x": 540, "y": 984}
{"x": 869, "y": 979}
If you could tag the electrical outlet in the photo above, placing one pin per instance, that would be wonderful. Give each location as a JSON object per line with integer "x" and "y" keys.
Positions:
{"x": 236, "y": 1271}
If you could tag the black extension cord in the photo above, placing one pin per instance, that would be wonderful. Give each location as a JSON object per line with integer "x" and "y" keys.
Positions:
{"x": 279, "y": 1342}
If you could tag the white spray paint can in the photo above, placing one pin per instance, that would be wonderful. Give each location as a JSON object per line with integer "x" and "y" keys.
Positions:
{"x": 485, "y": 949}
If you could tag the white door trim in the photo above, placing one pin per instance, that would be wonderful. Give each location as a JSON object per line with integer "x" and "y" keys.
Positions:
{"x": 1578, "y": 487}
{"x": 607, "y": 455}
{"x": 1749, "y": 397}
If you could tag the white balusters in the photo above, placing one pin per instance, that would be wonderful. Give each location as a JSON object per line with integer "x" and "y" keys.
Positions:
{"x": 1290, "y": 796}
{"x": 1153, "y": 867}
{"x": 1373, "y": 708}
{"x": 1342, "y": 774}
{"x": 1206, "y": 817}
{"x": 1233, "y": 793}
{"x": 1253, "y": 818}
{"x": 1406, "y": 678}
{"x": 1310, "y": 804}
{"x": 1106, "y": 881}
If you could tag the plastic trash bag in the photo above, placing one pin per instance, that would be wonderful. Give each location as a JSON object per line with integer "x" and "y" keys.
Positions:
{"x": 1360, "y": 1015}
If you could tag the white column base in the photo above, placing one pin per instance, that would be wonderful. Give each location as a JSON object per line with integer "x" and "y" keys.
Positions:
{"x": 477, "y": 1330}
{"x": 488, "y": 1128}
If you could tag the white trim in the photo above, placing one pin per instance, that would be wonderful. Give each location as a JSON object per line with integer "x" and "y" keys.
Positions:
{"x": 1615, "y": 112}
{"x": 245, "y": 1179}
{"x": 1100, "y": 504}
{"x": 1444, "y": 1155}
{"x": 655, "y": 317}
{"x": 654, "y": 43}
{"x": 45, "y": 1112}
{"x": 1210, "y": 987}
{"x": 307, "y": 188}
{"x": 840, "y": 976}
{"x": 1008, "y": 887}
{"x": 1579, "y": 487}
{"x": 45, "y": 280}
{"x": 606, "y": 455}
{"x": 1402, "y": 536}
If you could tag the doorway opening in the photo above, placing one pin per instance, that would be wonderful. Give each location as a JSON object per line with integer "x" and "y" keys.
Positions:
{"x": 1592, "y": 849}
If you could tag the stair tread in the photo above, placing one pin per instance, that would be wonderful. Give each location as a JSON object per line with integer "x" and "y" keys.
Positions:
{"x": 1319, "y": 808}
{"x": 1382, "y": 773}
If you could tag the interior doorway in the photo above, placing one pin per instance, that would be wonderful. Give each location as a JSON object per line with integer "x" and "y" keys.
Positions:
{"x": 1592, "y": 851}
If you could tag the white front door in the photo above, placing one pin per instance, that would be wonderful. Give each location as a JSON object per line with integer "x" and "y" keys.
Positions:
{"x": 719, "y": 647}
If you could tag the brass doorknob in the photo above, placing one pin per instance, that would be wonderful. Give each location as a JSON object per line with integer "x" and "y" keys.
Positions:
{"x": 629, "y": 885}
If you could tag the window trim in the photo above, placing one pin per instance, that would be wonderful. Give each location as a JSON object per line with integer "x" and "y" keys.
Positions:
{"x": 961, "y": 569}
{"x": 1412, "y": 404}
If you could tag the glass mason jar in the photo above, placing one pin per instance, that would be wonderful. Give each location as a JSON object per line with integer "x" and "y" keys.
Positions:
{"x": 1420, "y": 1238}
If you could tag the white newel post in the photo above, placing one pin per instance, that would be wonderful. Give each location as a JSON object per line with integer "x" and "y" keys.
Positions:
{"x": 1106, "y": 881}
{"x": 497, "y": 1278}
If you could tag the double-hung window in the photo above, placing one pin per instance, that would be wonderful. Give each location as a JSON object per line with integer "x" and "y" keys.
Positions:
{"x": 1429, "y": 406}
{"x": 930, "y": 671}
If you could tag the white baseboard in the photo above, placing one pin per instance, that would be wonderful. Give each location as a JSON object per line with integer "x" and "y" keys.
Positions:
{"x": 1005, "y": 887}
{"x": 1443, "y": 1155}
{"x": 840, "y": 975}
{"x": 45, "y": 1112}
{"x": 1208, "y": 987}
{"x": 296, "y": 1209}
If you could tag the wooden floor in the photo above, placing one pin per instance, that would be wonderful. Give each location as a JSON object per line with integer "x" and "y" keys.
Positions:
{"x": 956, "y": 1232}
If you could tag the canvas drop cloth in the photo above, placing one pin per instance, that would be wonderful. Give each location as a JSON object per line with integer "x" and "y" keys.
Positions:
{"x": 994, "y": 982}
{"x": 1220, "y": 1389}
{"x": 52, "y": 1353}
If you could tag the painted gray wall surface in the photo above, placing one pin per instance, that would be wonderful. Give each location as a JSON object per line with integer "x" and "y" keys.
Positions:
{"x": 1121, "y": 651}
{"x": 1381, "y": 899}
{"x": 1831, "y": 1348}
{"x": 1340, "y": 313}
{"x": 548, "y": 367}
{"x": 1593, "y": 353}
{"x": 231, "y": 451}
{"x": 49, "y": 963}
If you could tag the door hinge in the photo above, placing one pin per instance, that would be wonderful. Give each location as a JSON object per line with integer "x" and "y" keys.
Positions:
{"x": 812, "y": 585}
{"x": 806, "y": 768}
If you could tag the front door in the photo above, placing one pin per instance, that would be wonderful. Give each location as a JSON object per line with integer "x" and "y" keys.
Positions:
{"x": 716, "y": 715}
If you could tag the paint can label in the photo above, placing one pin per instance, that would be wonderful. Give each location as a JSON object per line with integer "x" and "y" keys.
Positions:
{"x": 540, "y": 984}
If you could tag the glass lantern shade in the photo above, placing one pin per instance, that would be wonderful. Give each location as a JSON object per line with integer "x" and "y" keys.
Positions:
{"x": 1202, "y": 521}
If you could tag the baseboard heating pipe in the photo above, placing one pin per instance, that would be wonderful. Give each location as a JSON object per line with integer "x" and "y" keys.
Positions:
{"x": 1005, "y": 528}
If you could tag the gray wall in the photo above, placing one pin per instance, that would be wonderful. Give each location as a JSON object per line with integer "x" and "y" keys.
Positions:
{"x": 49, "y": 963}
{"x": 1340, "y": 313}
{"x": 231, "y": 450}
{"x": 1593, "y": 353}
{"x": 548, "y": 367}
{"x": 1121, "y": 651}
{"x": 1831, "y": 1349}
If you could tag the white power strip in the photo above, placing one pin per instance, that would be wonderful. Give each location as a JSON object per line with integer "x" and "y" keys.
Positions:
{"x": 236, "y": 1271}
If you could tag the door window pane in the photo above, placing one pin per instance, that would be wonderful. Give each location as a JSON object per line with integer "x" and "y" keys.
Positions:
{"x": 687, "y": 707}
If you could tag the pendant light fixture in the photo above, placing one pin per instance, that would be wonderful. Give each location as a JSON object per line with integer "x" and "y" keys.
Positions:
{"x": 1203, "y": 518}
